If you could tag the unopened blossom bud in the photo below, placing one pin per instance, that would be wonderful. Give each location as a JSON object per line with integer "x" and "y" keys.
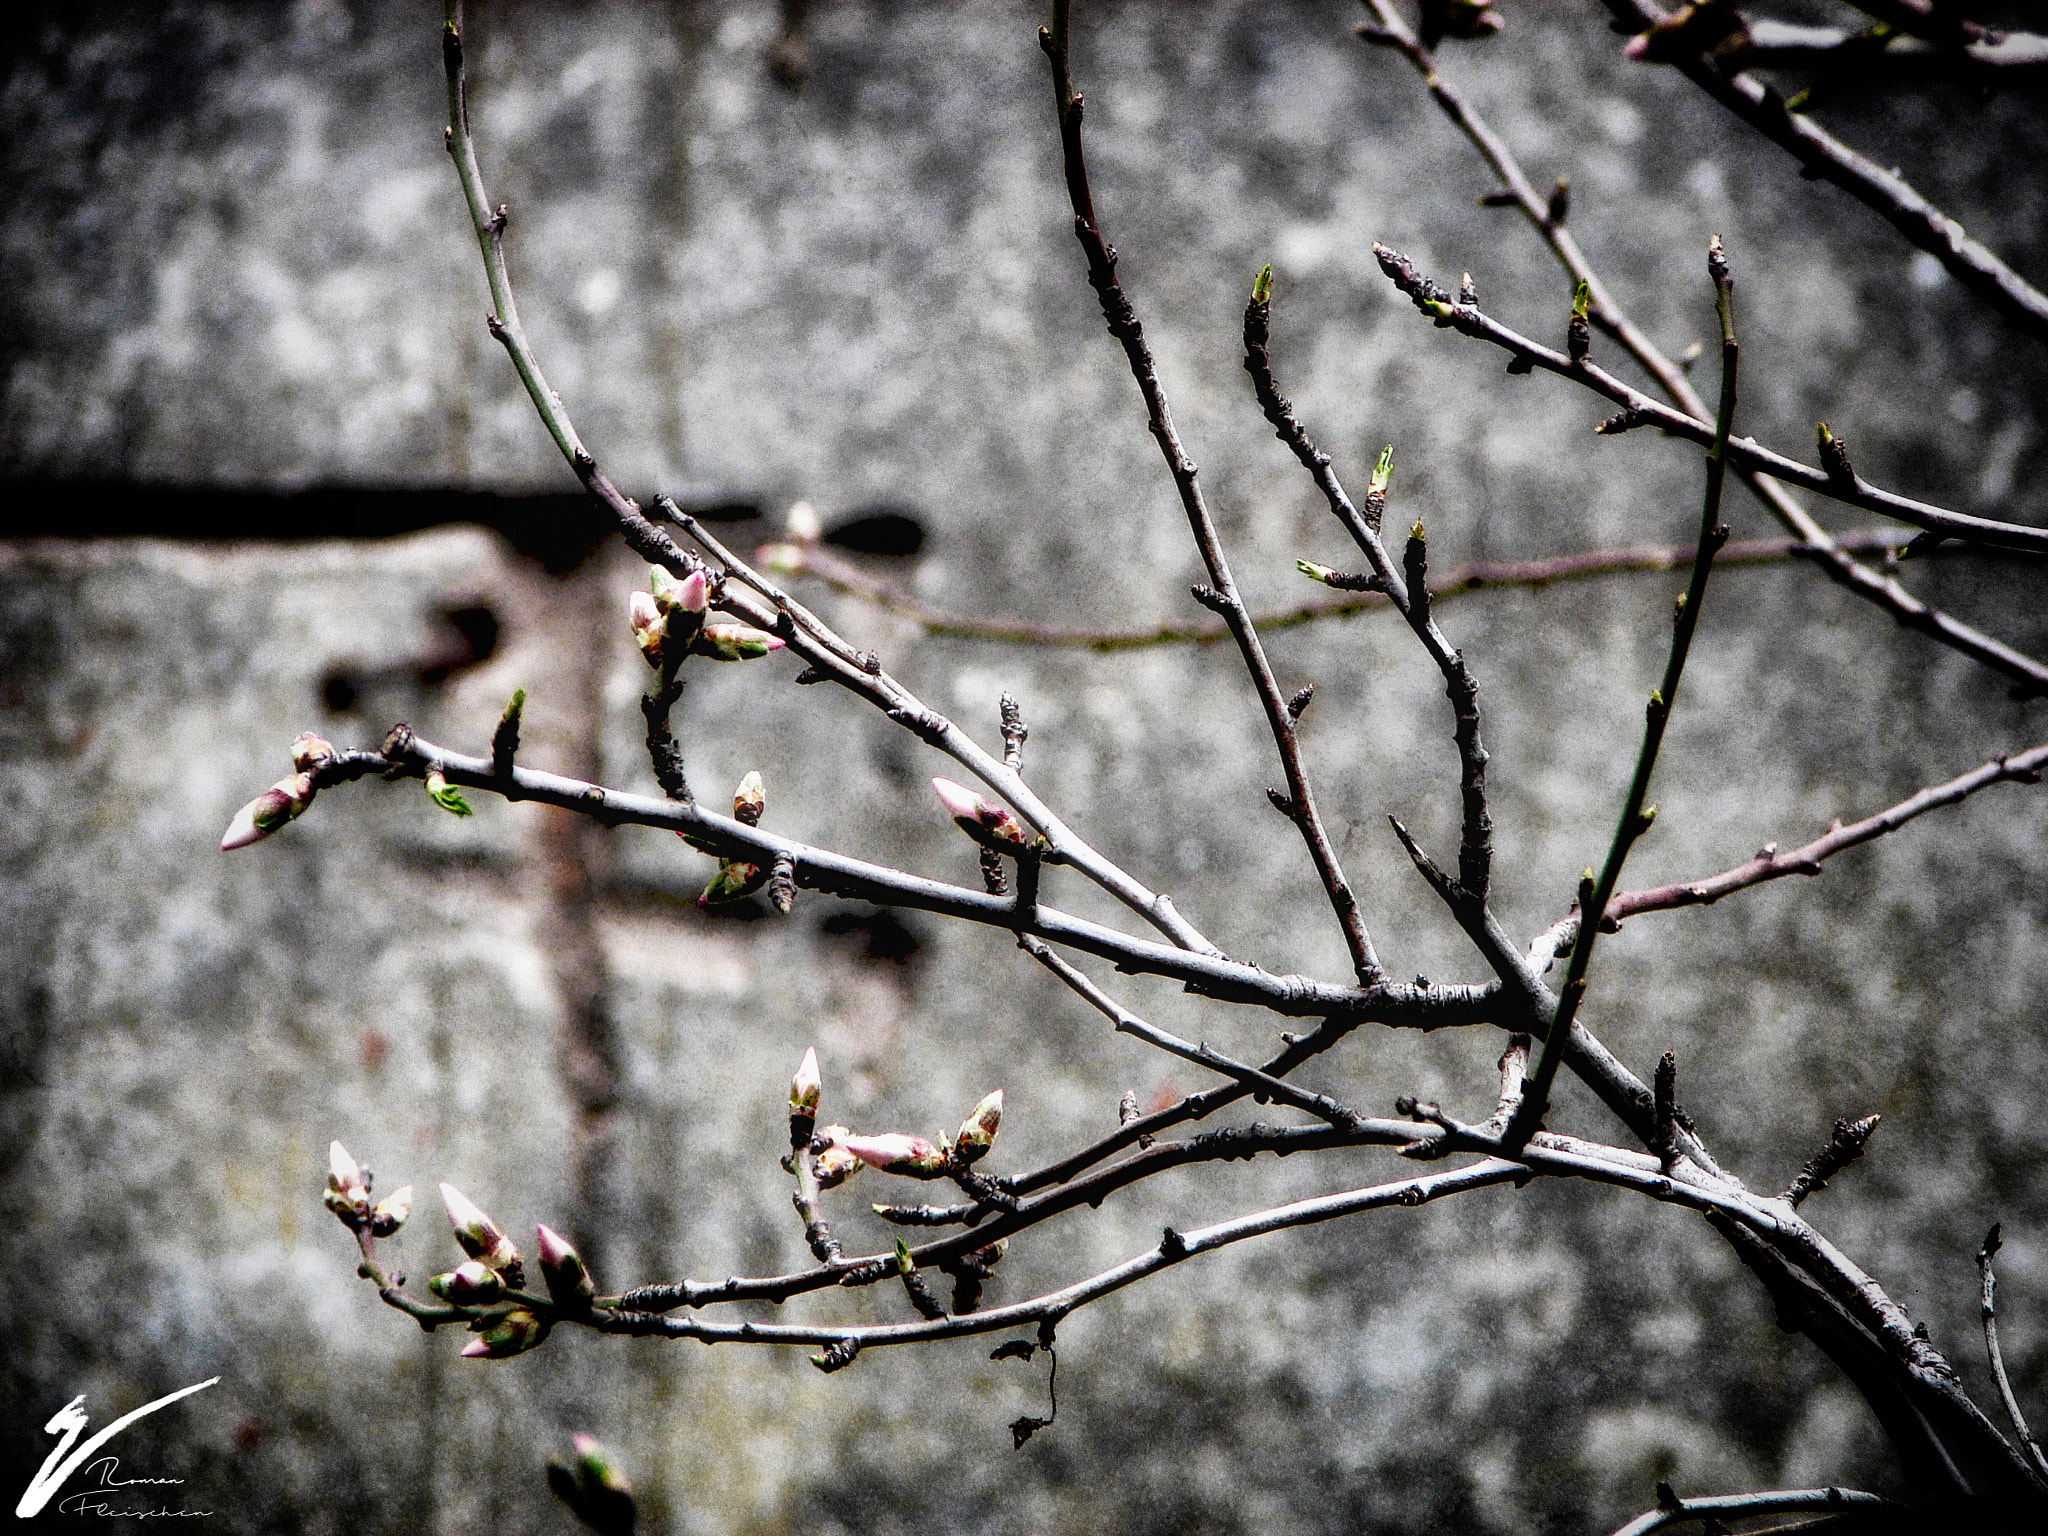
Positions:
{"x": 348, "y": 1192}
{"x": 735, "y": 878}
{"x": 389, "y": 1214}
{"x": 807, "y": 1086}
{"x": 750, "y": 799}
{"x": 734, "y": 642}
{"x": 894, "y": 1152}
{"x": 468, "y": 1285}
{"x": 562, "y": 1267}
{"x": 311, "y": 753}
{"x": 649, "y": 627}
{"x": 781, "y": 559}
{"x": 513, "y": 1334}
{"x": 1328, "y": 575}
{"x": 835, "y": 1165}
{"x": 803, "y": 525}
{"x": 593, "y": 1485}
{"x": 476, "y": 1234}
{"x": 987, "y": 823}
{"x": 693, "y": 593}
{"x": 284, "y": 801}
{"x": 978, "y": 1130}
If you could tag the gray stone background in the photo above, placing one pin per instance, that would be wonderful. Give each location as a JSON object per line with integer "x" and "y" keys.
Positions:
{"x": 233, "y": 255}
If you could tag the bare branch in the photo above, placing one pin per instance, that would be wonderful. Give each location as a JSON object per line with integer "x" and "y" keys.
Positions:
{"x": 1458, "y": 581}
{"x": 820, "y": 869}
{"x": 1636, "y": 812}
{"x": 1989, "y": 1309}
{"x": 1744, "y": 453}
{"x": 1826, "y": 158}
{"x": 1831, "y": 554}
{"x": 1734, "y": 1506}
{"x": 1409, "y": 593}
{"x": 1262, "y": 1085}
{"x": 1770, "y": 864}
{"x": 1124, "y": 325}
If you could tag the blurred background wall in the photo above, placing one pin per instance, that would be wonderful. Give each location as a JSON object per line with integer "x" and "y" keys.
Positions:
{"x": 268, "y": 473}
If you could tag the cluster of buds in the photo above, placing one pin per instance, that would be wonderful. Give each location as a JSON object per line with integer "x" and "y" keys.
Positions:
{"x": 285, "y": 801}
{"x": 837, "y": 1153}
{"x": 740, "y": 877}
{"x": 348, "y": 1196}
{"x": 494, "y": 1268}
{"x": 989, "y": 824}
{"x": 669, "y": 621}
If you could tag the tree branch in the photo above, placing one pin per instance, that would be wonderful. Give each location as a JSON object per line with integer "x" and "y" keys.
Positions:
{"x": 1831, "y": 554}
{"x": 1641, "y": 410}
{"x": 1636, "y": 813}
{"x": 1770, "y": 864}
{"x": 1826, "y": 158}
{"x": 1124, "y": 325}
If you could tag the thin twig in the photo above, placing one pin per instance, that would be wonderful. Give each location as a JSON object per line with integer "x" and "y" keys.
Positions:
{"x": 1261, "y": 1084}
{"x": 1458, "y": 581}
{"x": 1124, "y": 325}
{"x": 648, "y": 541}
{"x": 1831, "y": 554}
{"x": 1826, "y": 158}
{"x": 1735, "y": 1506}
{"x": 1410, "y": 594}
{"x": 1636, "y": 812}
{"x": 1989, "y": 1309}
{"x": 1640, "y": 410}
{"x": 1771, "y": 864}
{"x": 863, "y": 675}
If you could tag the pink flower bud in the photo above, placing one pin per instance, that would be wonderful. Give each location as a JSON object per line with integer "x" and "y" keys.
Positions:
{"x": 513, "y": 1334}
{"x": 694, "y": 595}
{"x": 563, "y": 1268}
{"x": 348, "y": 1194}
{"x": 894, "y": 1152}
{"x": 978, "y": 1130}
{"x": 987, "y": 823}
{"x": 476, "y": 1234}
{"x": 468, "y": 1285}
{"x": 284, "y": 801}
{"x": 649, "y": 627}
{"x": 734, "y": 642}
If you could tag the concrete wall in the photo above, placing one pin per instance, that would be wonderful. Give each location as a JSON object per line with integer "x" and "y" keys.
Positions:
{"x": 234, "y": 255}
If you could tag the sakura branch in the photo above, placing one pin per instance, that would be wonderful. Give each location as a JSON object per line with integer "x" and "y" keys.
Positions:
{"x": 1461, "y": 312}
{"x": 771, "y": 611}
{"x": 1546, "y": 215}
{"x": 1636, "y": 812}
{"x": 798, "y": 560}
{"x": 1690, "y": 39}
{"x": 1221, "y": 597}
